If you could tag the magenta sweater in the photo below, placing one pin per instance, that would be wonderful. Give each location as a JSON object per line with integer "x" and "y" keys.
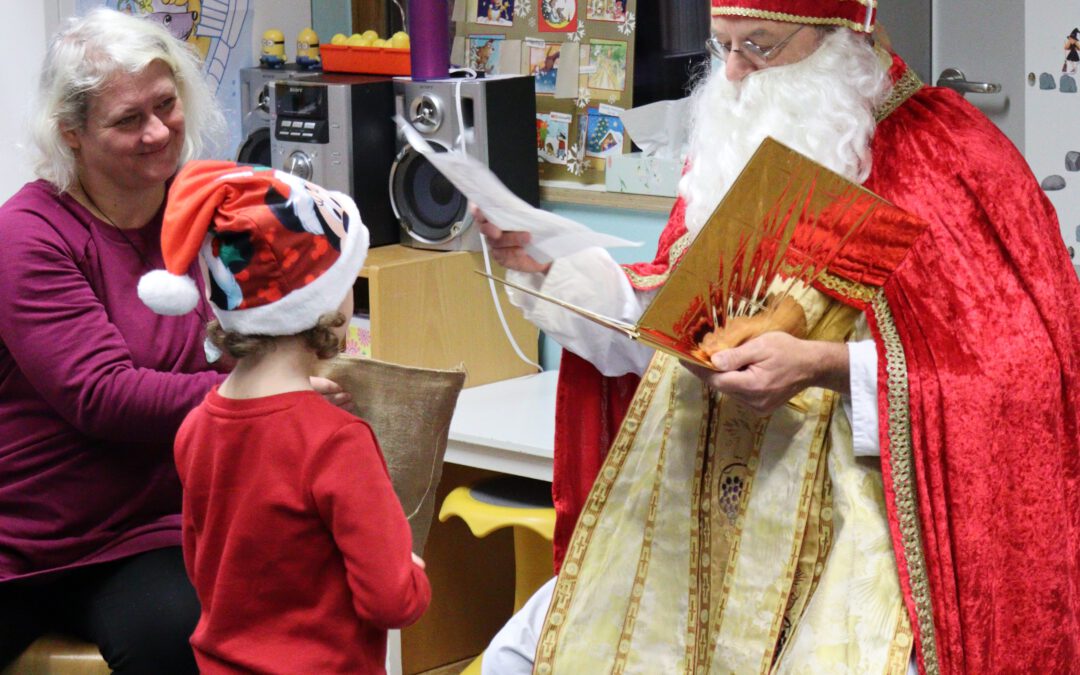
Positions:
{"x": 93, "y": 386}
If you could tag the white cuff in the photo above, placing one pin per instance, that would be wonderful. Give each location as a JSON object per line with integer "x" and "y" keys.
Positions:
{"x": 862, "y": 407}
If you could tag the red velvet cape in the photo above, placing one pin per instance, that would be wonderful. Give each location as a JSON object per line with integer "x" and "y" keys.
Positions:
{"x": 979, "y": 388}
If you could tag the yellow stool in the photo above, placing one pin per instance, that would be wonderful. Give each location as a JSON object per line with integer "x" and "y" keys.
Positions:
{"x": 58, "y": 655}
{"x": 510, "y": 501}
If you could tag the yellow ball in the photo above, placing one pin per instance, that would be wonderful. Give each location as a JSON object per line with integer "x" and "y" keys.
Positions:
{"x": 399, "y": 41}
{"x": 355, "y": 40}
{"x": 379, "y": 43}
{"x": 371, "y": 35}
{"x": 338, "y": 39}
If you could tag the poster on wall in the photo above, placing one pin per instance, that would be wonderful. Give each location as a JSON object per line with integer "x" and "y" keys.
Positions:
{"x": 581, "y": 54}
{"x": 219, "y": 30}
{"x": 1052, "y": 106}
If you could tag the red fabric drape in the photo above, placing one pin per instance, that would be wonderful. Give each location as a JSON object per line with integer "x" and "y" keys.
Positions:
{"x": 985, "y": 304}
{"x": 588, "y": 411}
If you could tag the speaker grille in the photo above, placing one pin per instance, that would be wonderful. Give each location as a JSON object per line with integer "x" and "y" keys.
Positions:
{"x": 429, "y": 207}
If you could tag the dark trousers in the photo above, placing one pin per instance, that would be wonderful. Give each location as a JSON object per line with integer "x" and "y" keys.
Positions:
{"x": 139, "y": 611}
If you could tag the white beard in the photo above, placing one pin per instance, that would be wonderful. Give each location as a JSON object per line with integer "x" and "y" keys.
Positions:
{"x": 822, "y": 106}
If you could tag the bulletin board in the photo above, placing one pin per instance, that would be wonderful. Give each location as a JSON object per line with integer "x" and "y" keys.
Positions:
{"x": 581, "y": 53}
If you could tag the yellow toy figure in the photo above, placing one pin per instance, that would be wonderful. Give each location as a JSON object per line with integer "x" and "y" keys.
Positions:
{"x": 273, "y": 49}
{"x": 307, "y": 50}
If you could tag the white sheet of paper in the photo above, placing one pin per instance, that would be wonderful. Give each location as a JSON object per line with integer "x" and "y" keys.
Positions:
{"x": 553, "y": 236}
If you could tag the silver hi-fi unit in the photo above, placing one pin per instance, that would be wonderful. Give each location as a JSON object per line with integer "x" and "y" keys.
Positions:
{"x": 494, "y": 120}
{"x": 255, "y": 110}
{"x": 338, "y": 131}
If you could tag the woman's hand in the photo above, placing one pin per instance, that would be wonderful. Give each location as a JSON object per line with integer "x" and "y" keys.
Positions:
{"x": 332, "y": 392}
{"x": 769, "y": 370}
{"x": 508, "y": 247}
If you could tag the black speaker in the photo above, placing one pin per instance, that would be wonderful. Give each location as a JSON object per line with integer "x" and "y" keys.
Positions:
{"x": 494, "y": 120}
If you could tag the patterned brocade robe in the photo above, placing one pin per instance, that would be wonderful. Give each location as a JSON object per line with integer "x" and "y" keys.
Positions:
{"x": 717, "y": 541}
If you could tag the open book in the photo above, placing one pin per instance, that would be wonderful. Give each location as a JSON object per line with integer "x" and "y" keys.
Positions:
{"x": 784, "y": 221}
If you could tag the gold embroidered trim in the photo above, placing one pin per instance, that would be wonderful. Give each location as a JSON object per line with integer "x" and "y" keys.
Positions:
{"x": 792, "y": 18}
{"x": 848, "y": 289}
{"x": 903, "y": 481}
{"x": 814, "y": 459}
{"x": 905, "y": 88}
{"x": 899, "y": 657}
{"x": 641, "y": 571}
{"x": 590, "y": 515}
{"x": 674, "y": 253}
{"x": 701, "y": 550}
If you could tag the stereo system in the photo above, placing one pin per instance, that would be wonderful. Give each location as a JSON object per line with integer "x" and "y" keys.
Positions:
{"x": 338, "y": 131}
{"x": 255, "y": 84}
{"x": 493, "y": 120}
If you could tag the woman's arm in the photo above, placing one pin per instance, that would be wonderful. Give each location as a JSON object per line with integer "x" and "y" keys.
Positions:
{"x": 61, "y": 338}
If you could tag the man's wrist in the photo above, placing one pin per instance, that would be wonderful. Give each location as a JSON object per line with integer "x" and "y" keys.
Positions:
{"x": 831, "y": 366}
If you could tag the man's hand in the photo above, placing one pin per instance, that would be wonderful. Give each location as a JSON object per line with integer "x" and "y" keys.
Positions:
{"x": 508, "y": 247}
{"x": 768, "y": 371}
{"x": 332, "y": 392}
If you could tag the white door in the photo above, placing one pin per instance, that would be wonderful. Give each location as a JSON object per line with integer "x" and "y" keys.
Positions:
{"x": 1022, "y": 46}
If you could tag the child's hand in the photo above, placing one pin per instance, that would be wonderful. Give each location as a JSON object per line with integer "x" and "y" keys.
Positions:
{"x": 332, "y": 392}
{"x": 418, "y": 561}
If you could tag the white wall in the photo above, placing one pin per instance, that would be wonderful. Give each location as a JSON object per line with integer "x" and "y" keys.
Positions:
{"x": 24, "y": 33}
{"x": 23, "y": 40}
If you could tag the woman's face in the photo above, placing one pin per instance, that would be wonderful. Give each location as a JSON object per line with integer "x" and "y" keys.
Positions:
{"x": 134, "y": 130}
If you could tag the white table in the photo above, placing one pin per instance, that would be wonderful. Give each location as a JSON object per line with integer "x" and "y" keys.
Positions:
{"x": 506, "y": 426}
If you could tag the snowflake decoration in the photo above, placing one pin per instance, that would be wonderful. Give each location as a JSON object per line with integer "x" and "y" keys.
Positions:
{"x": 575, "y": 164}
{"x": 628, "y": 24}
{"x": 583, "y": 97}
{"x": 613, "y": 99}
{"x": 522, "y": 8}
{"x": 532, "y": 22}
{"x": 579, "y": 34}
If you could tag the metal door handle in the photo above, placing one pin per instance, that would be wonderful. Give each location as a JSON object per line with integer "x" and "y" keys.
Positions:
{"x": 954, "y": 79}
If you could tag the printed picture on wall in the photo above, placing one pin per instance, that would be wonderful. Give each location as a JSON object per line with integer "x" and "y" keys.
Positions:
{"x": 604, "y": 136}
{"x": 482, "y": 53}
{"x": 607, "y": 61}
{"x": 495, "y": 12}
{"x": 558, "y": 16}
{"x": 606, "y": 10}
{"x": 1072, "y": 52}
{"x": 544, "y": 66}
{"x": 552, "y": 137}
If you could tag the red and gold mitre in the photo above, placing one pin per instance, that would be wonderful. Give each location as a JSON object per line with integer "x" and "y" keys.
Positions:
{"x": 858, "y": 15}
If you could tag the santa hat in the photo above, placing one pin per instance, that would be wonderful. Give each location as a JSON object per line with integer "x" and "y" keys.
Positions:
{"x": 858, "y": 15}
{"x": 276, "y": 251}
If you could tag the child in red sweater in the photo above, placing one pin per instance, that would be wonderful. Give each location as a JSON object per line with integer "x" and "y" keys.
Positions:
{"x": 293, "y": 536}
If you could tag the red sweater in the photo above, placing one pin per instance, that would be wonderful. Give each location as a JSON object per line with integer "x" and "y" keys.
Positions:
{"x": 293, "y": 537}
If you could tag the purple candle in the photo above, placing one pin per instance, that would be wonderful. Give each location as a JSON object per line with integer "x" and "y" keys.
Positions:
{"x": 429, "y": 37}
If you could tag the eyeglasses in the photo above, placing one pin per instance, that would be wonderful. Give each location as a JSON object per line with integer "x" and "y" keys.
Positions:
{"x": 748, "y": 49}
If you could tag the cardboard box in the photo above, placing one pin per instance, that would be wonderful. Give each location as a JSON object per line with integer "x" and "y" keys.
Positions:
{"x": 644, "y": 175}
{"x": 358, "y": 337}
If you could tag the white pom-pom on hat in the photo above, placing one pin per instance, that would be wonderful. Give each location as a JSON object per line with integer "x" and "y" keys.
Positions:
{"x": 168, "y": 294}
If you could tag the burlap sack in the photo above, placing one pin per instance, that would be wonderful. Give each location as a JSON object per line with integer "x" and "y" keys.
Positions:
{"x": 410, "y": 410}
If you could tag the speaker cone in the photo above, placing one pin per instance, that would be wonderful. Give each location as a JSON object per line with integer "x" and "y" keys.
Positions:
{"x": 429, "y": 207}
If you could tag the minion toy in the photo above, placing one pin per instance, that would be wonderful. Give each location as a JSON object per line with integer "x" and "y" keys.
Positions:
{"x": 307, "y": 50}
{"x": 273, "y": 49}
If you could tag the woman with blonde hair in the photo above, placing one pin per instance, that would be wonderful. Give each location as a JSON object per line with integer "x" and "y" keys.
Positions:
{"x": 93, "y": 385}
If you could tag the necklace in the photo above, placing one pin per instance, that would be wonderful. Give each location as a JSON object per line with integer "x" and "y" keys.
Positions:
{"x": 123, "y": 235}
{"x": 147, "y": 266}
